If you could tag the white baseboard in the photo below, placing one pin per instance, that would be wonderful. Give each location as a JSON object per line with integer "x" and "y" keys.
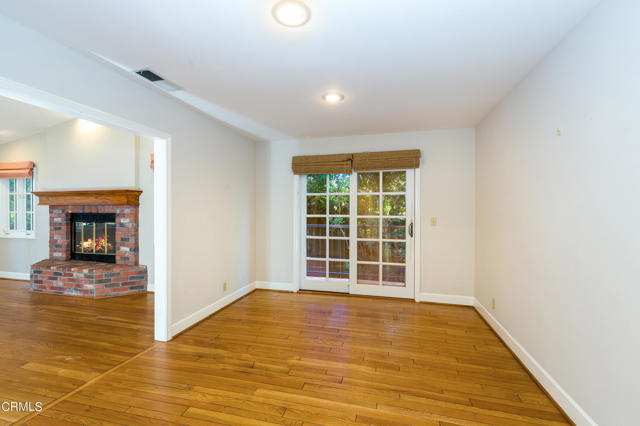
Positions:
{"x": 266, "y": 285}
{"x": 201, "y": 314}
{"x": 568, "y": 404}
{"x": 15, "y": 275}
{"x": 450, "y": 299}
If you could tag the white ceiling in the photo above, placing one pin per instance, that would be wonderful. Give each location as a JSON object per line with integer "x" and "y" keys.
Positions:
{"x": 403, "y": 64}
{"x": 19, "y": 120}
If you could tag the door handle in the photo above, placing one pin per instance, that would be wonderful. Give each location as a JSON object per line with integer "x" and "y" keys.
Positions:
{"x": 411, "y": 229}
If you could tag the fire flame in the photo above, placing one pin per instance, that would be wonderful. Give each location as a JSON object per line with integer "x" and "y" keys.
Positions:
{"x": 89, "y": 244}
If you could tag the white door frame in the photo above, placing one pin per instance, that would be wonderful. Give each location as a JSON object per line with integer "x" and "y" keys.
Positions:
{"x": 298, "y": 212}
{"x": 162, "y": 188}
{"x": 417, "y": 260}
{"x": 297, "y": 234}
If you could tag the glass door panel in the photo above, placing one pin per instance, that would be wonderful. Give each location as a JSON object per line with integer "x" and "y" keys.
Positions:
{"x": 326, "y": 223}
{"x": 383, "y": 241}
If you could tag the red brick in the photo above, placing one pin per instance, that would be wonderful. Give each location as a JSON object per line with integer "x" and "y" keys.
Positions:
{"x": 87, "y": 278}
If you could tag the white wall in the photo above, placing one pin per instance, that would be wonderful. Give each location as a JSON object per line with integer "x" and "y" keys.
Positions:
{"x": 212, "y": 167}
{"x": 447, "y": 192}
{"x": 78, "y": 154}
{"x": 81, "y": 154}
{"x": 144, "y": 180}
{"x": 558, "y": 235}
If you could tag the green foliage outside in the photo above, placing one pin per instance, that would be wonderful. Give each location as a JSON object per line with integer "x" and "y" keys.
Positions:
{"x": 316, "y": 184}
{"x": 394, "y": 181}
{"x": 394, "y": 205}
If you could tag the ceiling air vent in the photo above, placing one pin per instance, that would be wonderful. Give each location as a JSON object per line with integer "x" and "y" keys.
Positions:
{"x": 156, "y": 80}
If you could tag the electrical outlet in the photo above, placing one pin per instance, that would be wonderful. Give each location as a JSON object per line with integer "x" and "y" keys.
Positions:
{"x": 434, "y": 221}
{"x": 493, "y": 303}
{"x": 224, "y": 286}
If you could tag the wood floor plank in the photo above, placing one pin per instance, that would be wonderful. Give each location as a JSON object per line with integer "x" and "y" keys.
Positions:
{"x": 176, "y": 419}
{"x": 223, "y": 418}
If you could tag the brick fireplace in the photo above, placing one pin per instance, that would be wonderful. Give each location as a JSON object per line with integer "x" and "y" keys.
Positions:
{"x": 93, "y": 244}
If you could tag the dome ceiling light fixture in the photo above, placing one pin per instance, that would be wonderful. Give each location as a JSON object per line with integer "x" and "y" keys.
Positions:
{"x": 291, "y": 13}
{"x": 333, "y": 97}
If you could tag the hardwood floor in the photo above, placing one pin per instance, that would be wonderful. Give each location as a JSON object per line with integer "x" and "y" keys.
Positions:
{"x": 51, "y": 345}
{"x": 277, "y": 358}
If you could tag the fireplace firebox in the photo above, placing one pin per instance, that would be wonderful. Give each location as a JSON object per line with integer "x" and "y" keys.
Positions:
{"x": 93, "y": 237}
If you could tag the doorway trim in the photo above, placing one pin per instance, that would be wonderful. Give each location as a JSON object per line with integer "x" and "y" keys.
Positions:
{"x": 162, "y": 188}
{"x": 297, "y": 218}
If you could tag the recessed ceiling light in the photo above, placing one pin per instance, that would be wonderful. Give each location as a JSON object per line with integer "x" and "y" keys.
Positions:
{"x": 291, "y": 13}
{"x": 332, "y": 97}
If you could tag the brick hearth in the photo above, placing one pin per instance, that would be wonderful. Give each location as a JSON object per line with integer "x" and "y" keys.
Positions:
{"x": 61, "y": 275}
{"x": 90, "y": 279}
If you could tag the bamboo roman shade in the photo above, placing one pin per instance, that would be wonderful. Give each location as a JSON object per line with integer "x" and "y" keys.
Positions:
{"x": 316, "y": 164}
{"x": 386, "y": 160}
{"x": 16, "y": 170}
{"x": 358, "y": 162}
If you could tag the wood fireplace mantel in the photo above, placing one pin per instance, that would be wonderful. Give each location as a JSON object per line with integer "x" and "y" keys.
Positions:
{"x": 128, "y": 197}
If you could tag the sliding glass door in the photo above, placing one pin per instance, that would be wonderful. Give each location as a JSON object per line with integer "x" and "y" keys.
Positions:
{"x": 358, "y": 233}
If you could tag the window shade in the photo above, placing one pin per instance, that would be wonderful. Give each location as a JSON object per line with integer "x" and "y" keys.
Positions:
{"x": 316, "y": 164}
{"x": 16, "y": 170}
{"x": 386, "y": 160}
